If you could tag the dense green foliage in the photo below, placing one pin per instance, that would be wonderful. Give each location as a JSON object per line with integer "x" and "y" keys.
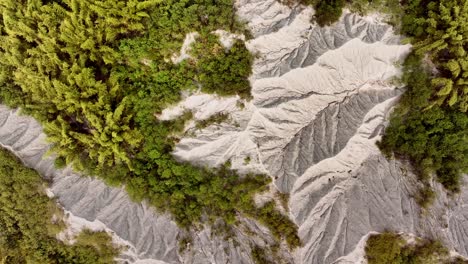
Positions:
{"x": 391, "y": 248}
{"x": 430, "y": 126}
{"x": 97, "y": 72}
{"x": 26, "y": 222}
{"x": 441, "y": 30}
{"x": 327, "y": 11}
{"x": 434, "y": 138}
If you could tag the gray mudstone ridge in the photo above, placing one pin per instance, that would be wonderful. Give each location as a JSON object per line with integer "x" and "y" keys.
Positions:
{"x": 338, "y": 201}
{"x": 317, "y": 136}
{"x": 325, "y": 136}
{"x": 152, "y": 235}
{"x": 274, "y": 15}
{"x": 318, "y": 40}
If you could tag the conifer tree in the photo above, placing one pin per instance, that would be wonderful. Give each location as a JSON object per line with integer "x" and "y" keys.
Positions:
{"x": 447, "y": 40}
{"x": 60, "y": 57}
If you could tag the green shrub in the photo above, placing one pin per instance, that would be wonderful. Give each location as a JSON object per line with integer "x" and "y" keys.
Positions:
{"x": 434, "y": 138}
{"x": 259, "y": 256}
{"x": 425, "y": 197}
{"x": 280, "y": 225}
{"x": 384, "y": 248}
{"x": 221, "y": 71}
{"x": 28, "y": 232}
{"x": 327, "y": 12}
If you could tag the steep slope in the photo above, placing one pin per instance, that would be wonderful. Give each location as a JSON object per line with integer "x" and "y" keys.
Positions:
{"x": 321, "y": 99}
{"x": 153, "y": 237}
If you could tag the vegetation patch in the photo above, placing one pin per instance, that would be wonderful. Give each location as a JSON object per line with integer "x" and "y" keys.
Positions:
{"x": 220, "y": 71}
{"x": 284, "y": 200}
{"x": 28, "y": 228}
{"x": 430, "y": 125}
{"x": 327, "y": 12}
{"x": 391, "y": 248}
{"x": 217, "y": 118}
{"x": 260, "y": 256}
{"x": 280, "y": 225}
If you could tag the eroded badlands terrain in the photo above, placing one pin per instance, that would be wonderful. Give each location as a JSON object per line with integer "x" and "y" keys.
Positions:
{"x": 322, "y": 97}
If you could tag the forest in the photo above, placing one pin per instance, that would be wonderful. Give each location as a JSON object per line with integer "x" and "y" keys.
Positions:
{"x": 430, "y": 125}
{"x": 95, "y": 73}
{"x": 27, "y": 226}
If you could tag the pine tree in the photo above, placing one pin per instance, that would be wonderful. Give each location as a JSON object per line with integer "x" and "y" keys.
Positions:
{"x": 447, "y": 40}
{"x": 60, "y": 56}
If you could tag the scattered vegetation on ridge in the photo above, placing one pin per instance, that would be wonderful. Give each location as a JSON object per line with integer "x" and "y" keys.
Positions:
{"x": 29, "y": 222}
{"x": 259, "y": 256}
{"x": 217, "y": 118}
{"x": 391, "y": 248}
{"x": 326, "y": 11}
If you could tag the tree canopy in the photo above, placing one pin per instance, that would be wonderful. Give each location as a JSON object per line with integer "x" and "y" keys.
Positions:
{"x": 27, "y": 224}
{"x": 430, "y": 125}
{"x": 392, "y": 248}
{"x": 95, "y": 73}
{"x": 441, "y": 30}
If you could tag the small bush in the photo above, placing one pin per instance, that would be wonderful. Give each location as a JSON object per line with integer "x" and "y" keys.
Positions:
{"x": 425, "y": 196}
{"x": 383, "y": 248}
{"x": 259, "y": 256}
{"x": 391, "y": 248}
{"x": 328, "y": 12}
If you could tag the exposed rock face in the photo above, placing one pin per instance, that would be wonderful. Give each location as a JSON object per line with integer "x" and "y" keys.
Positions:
{"x": 321, "y": 100}
{"x": 325, "y": 136}
{"x": 301, "y": 113}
